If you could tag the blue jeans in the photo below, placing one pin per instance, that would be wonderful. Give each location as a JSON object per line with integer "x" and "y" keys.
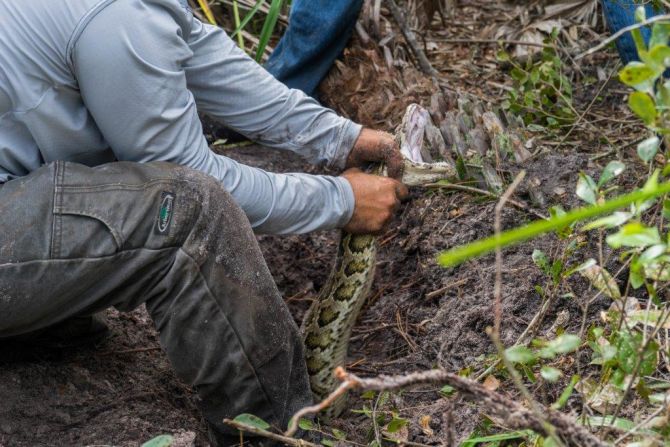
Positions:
{"x": 317, "y": 33}
{"x": 620, "y": 14}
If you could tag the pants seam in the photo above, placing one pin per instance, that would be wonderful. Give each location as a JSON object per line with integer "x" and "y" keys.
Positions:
{"x": 59, "y": 175}
{"x": 176, "y": 246}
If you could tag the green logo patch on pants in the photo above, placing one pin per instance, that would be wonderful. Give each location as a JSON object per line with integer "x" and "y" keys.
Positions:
{"x": 165, "y": 212}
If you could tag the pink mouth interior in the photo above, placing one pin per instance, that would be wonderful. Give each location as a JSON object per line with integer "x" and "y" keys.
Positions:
{"x": 414, "y": 133}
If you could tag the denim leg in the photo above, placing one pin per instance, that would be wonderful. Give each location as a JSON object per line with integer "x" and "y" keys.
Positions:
{"x": 620, "y": 14}
{"x": 317, "y": 33}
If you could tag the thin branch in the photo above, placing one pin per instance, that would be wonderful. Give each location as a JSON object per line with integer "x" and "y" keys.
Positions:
{"x": 471, "y": 189}
{"x": 314, "y": 409}
{"x": 266, "y": 434}
{"x": 621, "y": 32}
{"x": 497, "y": 320}
{"x": 492, "y": 41}
{"x": 410, "y": 37}
{"x": 511, "y": 413}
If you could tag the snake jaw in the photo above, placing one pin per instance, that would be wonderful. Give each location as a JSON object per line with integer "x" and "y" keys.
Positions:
{"x": 411, "y": 133}
{"x": 415, "y": 131}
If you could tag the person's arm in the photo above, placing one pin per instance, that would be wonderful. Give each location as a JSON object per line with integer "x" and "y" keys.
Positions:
{"x": 129, "y": 62}
{"x": 230, "y": 86}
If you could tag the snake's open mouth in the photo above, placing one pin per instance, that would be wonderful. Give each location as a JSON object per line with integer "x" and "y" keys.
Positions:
{"x": 421, "y": 141}
{"x": 426, "y": 157}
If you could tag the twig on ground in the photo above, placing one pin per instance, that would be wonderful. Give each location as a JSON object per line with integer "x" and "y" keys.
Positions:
{"x": 441, "y": 290}
{"x": 493, "y": 41}
{"x": 471, "y": 189}
{"x": 267, "y": 434}
{"x": 131, "y": 351}
{"x": 511, "y": 413}
{"x": 410, "y": 38}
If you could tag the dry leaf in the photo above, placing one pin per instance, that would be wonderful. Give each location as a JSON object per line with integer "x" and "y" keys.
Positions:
{"x": 491, "y": 383}
{"x": 424, "y": 422}
{"x": 602, "y": 399}
{"x": 602, "y": 280}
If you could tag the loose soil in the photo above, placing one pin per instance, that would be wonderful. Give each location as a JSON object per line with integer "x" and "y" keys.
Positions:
{"x": 419, "y": 315}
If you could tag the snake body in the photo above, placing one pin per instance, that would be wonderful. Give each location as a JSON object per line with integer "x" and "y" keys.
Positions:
{"x": 328, "y": 323}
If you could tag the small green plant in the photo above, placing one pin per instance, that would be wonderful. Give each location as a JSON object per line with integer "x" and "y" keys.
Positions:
{"x": 541, "y": 92}
{"x": 386, "y": 421}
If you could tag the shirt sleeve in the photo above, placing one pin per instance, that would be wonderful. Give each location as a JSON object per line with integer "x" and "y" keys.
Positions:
{"x": 230, "y": 86}
{"x": 130, "y": 65}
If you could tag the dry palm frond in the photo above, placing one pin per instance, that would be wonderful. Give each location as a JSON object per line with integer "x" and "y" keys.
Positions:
{"x": 538, "y": 19}
{"x": 583, "y": 12}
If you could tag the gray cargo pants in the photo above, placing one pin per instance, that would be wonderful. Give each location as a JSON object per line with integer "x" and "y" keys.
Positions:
{"x": 75, "y": 240}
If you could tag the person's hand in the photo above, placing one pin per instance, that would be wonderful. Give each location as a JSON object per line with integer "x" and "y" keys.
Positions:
{"x": 377, "y": 199}
{"x": 376, "y": 146}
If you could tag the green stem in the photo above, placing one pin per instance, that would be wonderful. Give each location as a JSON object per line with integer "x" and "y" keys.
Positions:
{"x": 250, "y": 15}
{"x": 268, "y": 28}
{"x": 236, "y": 14}
{"x": 455, "y": 256}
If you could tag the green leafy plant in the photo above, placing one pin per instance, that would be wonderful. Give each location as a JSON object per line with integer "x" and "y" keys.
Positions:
{"x": 541, "y": 92}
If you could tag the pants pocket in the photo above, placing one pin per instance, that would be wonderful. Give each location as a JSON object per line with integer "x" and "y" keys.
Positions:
{"x": 82, "y": 235}
{"x": 122, "y": 206}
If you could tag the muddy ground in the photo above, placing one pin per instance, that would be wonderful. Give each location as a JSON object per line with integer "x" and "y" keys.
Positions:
{"x": 419, "y": 315}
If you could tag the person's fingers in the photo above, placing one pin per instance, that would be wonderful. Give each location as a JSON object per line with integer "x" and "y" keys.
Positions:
{"x": 375, "y": 146}
{"x": 377, "y": 199}
{"x": 395, "y": 163}
{"x": 402, "y": 191}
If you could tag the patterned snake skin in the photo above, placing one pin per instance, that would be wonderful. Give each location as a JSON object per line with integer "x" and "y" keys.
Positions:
{"x": 328, "y": 323}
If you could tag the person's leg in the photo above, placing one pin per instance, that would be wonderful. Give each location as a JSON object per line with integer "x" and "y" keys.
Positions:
{"x": 75, "y": 240}
{"x": 620, "y": 14}
{"x": 317, "y": 33}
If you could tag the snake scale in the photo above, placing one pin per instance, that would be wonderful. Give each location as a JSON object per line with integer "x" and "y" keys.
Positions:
{"x": 328, "y": 323}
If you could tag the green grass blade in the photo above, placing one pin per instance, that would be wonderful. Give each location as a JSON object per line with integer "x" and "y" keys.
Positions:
{"x": 268, "y": 28}
{"x": 456, "y": 256}
{"x": 236, "y": 15}
{"x": 567, "y": 392}
{"x": 250, "y": 15}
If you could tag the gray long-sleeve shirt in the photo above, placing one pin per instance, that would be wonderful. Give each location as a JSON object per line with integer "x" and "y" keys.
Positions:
{"x": 93, "y": 81}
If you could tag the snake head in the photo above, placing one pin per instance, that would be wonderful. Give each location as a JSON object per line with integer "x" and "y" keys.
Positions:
{"x": 421, "y": 143}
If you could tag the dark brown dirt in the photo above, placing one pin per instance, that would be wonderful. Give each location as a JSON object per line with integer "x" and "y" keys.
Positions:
{"x": 121, "y": 392}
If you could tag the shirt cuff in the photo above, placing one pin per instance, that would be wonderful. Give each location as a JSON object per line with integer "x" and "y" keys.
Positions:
{"x": 346, "y": 194}
{"x": 346, "y": 139}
